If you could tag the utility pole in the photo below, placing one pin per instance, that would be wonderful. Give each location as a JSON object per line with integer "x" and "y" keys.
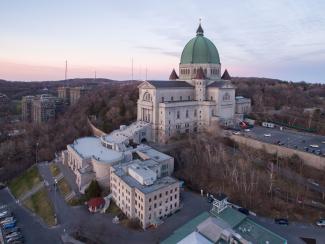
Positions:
{"x": 66, "y": 70}
{"x": 132, "y": 68}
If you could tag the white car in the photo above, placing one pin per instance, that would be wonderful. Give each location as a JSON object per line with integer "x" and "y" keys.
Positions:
{"x": 236, "y": 133}
{"x": 311, "y": 181}
{"x": 267, "y": 135}
{"x": 323, "y": 142}
{"x": 247, "y": 130}
{"x": 314, "y": 146}
{"x": 321, "y": 223}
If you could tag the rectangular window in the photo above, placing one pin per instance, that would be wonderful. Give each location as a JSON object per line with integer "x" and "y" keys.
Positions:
{"x": 162, "y": 99}
{"x": 178, "y": 114}
{"x": 181, "y": 98}
{"x": 195, "y": 113}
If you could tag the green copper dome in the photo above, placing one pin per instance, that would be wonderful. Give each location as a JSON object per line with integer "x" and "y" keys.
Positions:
{"x": 200, "y": 50}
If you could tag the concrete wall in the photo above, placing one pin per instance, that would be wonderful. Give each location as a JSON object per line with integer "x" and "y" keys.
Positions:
{"x": 309, "y": 159}
{"x": 96, "y": 132}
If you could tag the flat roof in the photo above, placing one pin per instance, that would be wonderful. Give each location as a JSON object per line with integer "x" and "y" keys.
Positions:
{"x": 256, "y": 233}
{"x": 154, "y": 154}
{"x": 91, "y": 147}
{"x": 247, "y": 228}
{"x": 186, "y": 229}
{"x": 121, "y": 171}
{"x": 125, "y": 132}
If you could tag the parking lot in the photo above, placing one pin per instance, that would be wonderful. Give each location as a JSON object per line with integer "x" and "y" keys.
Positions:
{"x": 311, "y": 143}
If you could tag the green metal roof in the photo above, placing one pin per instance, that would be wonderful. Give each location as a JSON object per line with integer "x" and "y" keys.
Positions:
{"x": 186, "y": 229}
{"x": 200, "y": 50}
{"x": 258, "y": 234}
{"x": 231, "y": 216}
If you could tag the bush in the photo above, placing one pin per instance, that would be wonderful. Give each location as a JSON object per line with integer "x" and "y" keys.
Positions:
{"x": 93, "y": 190}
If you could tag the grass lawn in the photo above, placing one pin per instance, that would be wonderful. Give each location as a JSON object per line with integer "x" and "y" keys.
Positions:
{"x": 64, "y": 187}
{"x": 55, "y": 171}
{"x": 25, "y": 182}
{"x": 40, "y": 204}
{"x": 113, "y": 209}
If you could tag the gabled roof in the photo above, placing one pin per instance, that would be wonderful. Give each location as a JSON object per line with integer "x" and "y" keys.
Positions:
{"x": 173, "y": 75}
{"x": 169, "y": 83}
{"x": 220, "y": 84}
{"x": 200, "y": 74}
{"x": 226, "y": 75}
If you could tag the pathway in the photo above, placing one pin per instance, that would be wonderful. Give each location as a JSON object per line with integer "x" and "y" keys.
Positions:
{"x": 32, "y": 191}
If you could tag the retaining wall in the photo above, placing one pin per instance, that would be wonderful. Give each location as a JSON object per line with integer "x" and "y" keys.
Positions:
{"x": 309, "y": 159}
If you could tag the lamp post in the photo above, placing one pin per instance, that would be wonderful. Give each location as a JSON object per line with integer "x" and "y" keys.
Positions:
{"x": 55, "y": 188}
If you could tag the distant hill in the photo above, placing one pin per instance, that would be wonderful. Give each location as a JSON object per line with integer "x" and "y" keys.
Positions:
{"x": 17, "y": 89}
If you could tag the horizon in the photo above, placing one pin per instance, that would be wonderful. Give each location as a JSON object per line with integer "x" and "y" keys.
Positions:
{"x": 278, "y": 40}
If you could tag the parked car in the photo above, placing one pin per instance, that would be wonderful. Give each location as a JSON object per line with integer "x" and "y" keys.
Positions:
{"x": 11, "y": 230}
{"x": 247, "y": 130}
{"x": 244, "y": 211}
{"x": 13, "y": 234}
{"x": 6, "y": 220}
{"x": 267, "y": 135}
{"x": 321, "y": 223}
{"x": 313, "y": 182}
{"x": 9, "y": 225}
{"x": 281, "y": 221}
{"x": 5, "y": 214}
{"x": 16, "y": 238}
{"x": 314, "y": 146}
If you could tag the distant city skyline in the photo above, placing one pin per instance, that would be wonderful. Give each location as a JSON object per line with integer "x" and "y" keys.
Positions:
{"x": 260, "y": 38}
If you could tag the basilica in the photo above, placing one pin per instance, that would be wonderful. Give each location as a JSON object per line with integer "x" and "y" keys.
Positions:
{"x": 197, "y": 98}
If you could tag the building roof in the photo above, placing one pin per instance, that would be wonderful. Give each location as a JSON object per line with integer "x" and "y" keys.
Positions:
{"x": 186, "y": 229}
{"x": 200, "y": 50}
{"x": 91, "y": 147}
{"x": 218, "y": 83}
{"x": 226, "y": 75}
{"x": 96, "y": 202}
{"x": 195, "y": 238}
{"x": 173, "y": 75}
{"x": 169, "y": 84}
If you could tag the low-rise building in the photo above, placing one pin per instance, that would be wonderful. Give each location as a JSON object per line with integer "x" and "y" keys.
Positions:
{"x": 243, "y": 105}
{"x": 225, "y": 225}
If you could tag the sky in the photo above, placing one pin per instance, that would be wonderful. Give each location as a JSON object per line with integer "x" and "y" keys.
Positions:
{"x": 282, "y": 39}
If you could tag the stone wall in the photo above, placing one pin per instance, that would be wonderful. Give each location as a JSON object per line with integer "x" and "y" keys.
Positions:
{"x": 95, "y": 131}
{"x": 309, "y": 159}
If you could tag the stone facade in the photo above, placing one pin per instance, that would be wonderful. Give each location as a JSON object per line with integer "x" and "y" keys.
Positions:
{"x": 198, "y": 99}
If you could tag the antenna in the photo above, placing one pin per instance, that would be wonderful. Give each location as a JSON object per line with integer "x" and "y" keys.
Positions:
{"x": 66, "y": 70}
{"x": 146, "y": 73}
{"x": 132, "y": 68}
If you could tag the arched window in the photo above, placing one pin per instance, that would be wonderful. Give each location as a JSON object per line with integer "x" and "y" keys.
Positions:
{"x": 226, "y": 97}
{"x": 147, "y": 97}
